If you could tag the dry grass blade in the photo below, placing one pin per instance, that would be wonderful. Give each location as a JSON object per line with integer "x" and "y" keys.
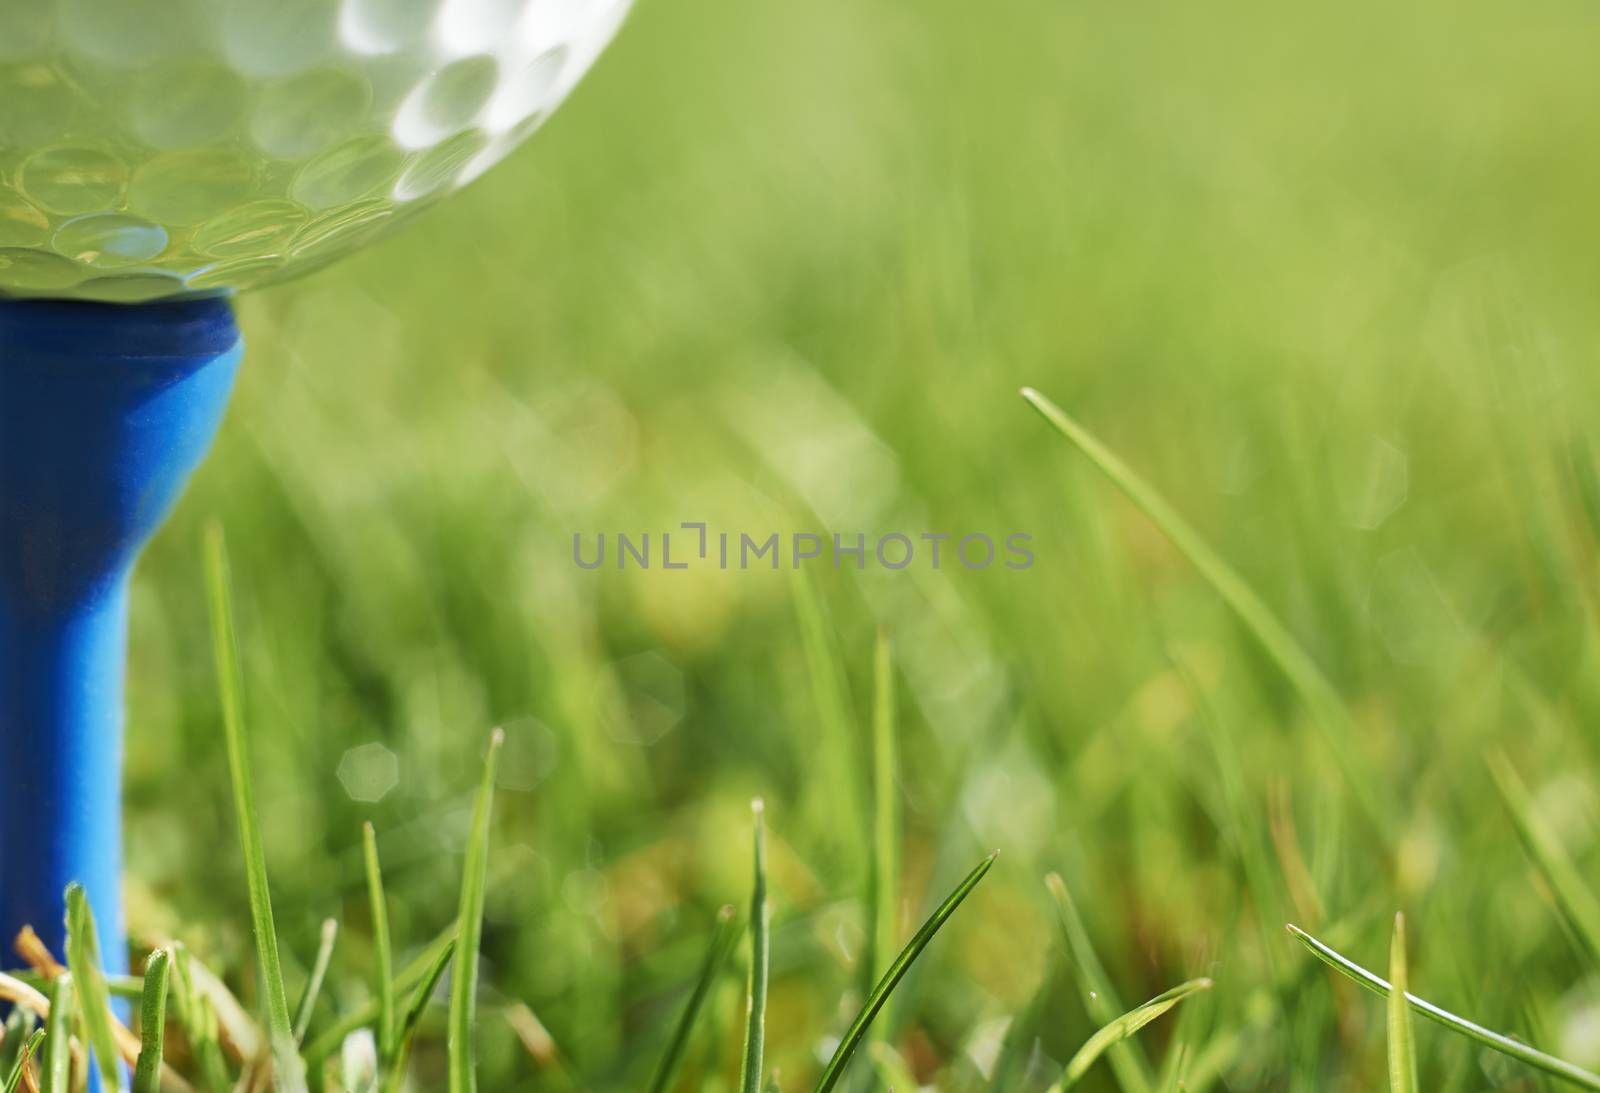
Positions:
{"x": 36, "y": 953}
{"x": 536, "y": 1039}
{"x": 20, "y": 993}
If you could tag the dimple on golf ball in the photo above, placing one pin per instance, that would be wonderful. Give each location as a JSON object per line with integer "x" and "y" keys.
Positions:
{"x": 160, "y": 148}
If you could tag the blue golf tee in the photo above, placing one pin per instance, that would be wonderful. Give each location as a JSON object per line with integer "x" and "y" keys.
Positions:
{"x": 104, "y": 412}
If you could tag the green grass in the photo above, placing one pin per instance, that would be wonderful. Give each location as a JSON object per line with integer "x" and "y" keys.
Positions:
{"x": 429, "y": 982}
{"x": 723, "y": 937}
{"x": 383, "y": 965}
{"x": 1402, "y": 1045}
{"x": 469, "y": 933}
{"x": 286, "y": 1065}
{"x": 1506, "y": 1045}
{"x": 374, "y": 1043}
{"x": 1319, "y": 695}
{"x": 1572, "y": 895}
{"x": 14, "y": 1080}
{"x": 834, "y": 1072}
{"x": 1121, "y": 1028}
{"x": 319, "y": 972}
{"x": 89, "y": 989}
{"x": 1321, "y": 276}
{"x": 760, "y": 961}
{"x": 55, "y": 1068}
{"x": 152, "y": 1023}
{"x": 884, "y": 898}
{"x": 1099, "y": 996}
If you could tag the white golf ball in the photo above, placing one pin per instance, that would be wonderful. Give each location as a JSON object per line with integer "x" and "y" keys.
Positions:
{"x": 160, "y": 148}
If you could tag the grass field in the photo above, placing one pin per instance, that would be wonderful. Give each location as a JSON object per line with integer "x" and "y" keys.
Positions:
{"x": 1325, "y": 277}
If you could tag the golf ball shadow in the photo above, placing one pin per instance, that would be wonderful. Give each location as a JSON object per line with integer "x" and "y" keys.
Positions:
{"x": 159, "y": 148}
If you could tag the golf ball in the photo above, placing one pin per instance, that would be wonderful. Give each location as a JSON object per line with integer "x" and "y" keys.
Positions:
{"x": 161, "y": 148}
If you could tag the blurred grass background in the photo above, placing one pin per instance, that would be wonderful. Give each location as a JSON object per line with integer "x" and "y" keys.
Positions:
{"x": 1325, "y": 274}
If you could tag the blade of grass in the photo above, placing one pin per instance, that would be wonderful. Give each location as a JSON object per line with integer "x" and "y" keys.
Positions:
{"x": 1021, "y": 1035}
{"x": 1209, "y": 1062}
{"x": 384, "y": 986}
{"x": 94, "y": 1001}
{"x": 1560, "y": 1068}
{"x": 58, "y": 1037}
{"x": 16, "y": 1025}
{"x": 469, "y": 932}
{"x": 313, "y": 988}
{"x": 1573, "y": 897}
{"x": 287, "y": 1073}
{"x": 885, "y": 824}
{"x": 199, "y": 1020}
{"x": 837, "y": 796}
{"x": 1402, "y": 1048}
{"x": 1262, "y": 881}
{"x": 11, "y": 1029}
{"x": 21, "y": 1067}
{"x": 118, "y": 986}
{"x": 125, "y": 986}
{"x": 724, "y": 934}
{"x": 327, "y": 1042}
{"x": 760, "y": 921}
{"x": 1121, "y": 1028}
{"x": 152, "y": 1023}
{"x": 1538, "y": 1026}
{"x": 1321, "y": 698}
{"x": 1179, "y": 1056}
{"x": 891, "y": 978}
{"x": 413, "y": 1019}
{"x": 1173, "y": 1082}
{"x": 1100, "y": 998}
